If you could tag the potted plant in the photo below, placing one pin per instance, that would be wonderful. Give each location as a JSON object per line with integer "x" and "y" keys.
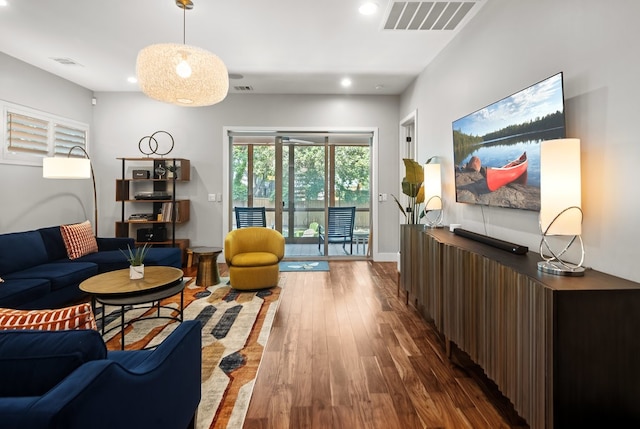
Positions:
{"x": 173, "y": 171}
{"x": 136, "y": 260}
{"x": 412, "y": 187}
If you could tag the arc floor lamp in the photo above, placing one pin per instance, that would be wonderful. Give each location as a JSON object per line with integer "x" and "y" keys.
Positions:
{"x": 72, "y": 168}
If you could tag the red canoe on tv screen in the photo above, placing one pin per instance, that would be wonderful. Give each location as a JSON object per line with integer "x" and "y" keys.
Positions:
{"x": 500, "y": 176}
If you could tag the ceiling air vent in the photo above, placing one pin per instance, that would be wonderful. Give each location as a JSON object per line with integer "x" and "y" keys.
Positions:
{"x": 427, "y": 15}
{"x": 66, "y": 61}
{"x": 243, "y": 88}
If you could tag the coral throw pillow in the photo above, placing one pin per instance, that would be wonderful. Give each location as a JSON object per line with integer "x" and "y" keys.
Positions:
{"x": 75, "y": 317}
{"x": 79, "y": 239}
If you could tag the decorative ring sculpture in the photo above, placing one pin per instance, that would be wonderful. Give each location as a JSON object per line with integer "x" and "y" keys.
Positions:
{"x": 153, "y": 144}
{"x": 430, "y": 221}
{"x": 552, "y": 259}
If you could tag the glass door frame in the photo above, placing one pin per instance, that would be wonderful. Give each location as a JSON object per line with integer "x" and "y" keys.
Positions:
{"x": 227, "y": 210}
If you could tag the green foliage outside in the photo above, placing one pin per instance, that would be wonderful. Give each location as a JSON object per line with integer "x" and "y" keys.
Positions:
{"x": 352, "y": 180}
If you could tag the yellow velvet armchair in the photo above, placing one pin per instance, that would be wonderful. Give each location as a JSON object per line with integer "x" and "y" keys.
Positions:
{"x": 252, "y": 255}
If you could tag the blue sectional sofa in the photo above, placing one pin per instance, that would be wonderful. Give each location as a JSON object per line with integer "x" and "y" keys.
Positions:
{"x": 67, "y": 379}
{"x": 38, "y": 274}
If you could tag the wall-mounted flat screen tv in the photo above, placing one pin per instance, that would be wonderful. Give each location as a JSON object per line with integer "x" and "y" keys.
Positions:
{"x": 496, "y": 150}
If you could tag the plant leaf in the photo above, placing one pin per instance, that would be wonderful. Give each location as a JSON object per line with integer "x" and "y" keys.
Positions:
{"x": 414, "y": 173}
{"x": 137, "y": 255}
{"x": 399, "y": 206}
{"x": 414, "y": 176}
{"x": 410, "y": 189}
{"x": 420, "y": 196}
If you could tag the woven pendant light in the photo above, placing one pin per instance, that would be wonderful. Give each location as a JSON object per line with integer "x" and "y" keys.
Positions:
{"x": 182, "y": 74}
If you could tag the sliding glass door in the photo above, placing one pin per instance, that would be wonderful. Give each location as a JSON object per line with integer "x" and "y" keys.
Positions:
{"x": 303, "y": 189}
{"x": 296, "y": 177}
{"x": 253, "y": 179}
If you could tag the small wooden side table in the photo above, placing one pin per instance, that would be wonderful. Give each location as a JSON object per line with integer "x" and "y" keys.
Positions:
{"x": 208, "y": 274}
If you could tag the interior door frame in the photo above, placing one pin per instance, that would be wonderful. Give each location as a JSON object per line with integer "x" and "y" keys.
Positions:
{"x": 227, "y": 180}
{"x": 406, "y": 149}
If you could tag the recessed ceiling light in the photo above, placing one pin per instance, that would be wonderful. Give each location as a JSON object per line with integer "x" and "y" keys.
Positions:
{"x": 379, "y": 86}
{"x": 132, "y": 79}
{"x": 346, "y": 82}
{"x": 368, "y": 8}
{"x": 4, "y": 3}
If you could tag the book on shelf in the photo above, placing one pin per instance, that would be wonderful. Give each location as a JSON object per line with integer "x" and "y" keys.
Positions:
{"x": 169, "y": 211}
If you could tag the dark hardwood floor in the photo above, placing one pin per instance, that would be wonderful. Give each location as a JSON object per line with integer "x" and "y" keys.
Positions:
{"x": 346, "y": 352}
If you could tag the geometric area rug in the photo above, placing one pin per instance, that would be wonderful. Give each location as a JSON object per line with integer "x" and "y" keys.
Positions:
{"x": 235, "y": 329}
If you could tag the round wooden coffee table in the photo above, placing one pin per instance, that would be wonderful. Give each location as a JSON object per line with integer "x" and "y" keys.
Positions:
{"x": 115, "y": 288}
{"x": 208, "y": 274}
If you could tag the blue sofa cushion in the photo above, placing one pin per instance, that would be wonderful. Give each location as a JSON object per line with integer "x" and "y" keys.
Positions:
{"x": 107, "y": 260}
{"x": 53, "y": 242}
{"x": 60, "y": 274}
{"x": 32, "y": 362}
{"x": 21, "y": 250}
{"x": 115, "y": 243}
{"x": 110, "y": 260}
{"x": 164, "y": 256}
{"x": 14, "y": 293}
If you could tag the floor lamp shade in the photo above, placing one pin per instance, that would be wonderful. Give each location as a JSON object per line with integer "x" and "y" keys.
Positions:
{"x": 432, "y": 187}
{"x": 560, "y": 187}
{"x": 66, "y": 168}
{"x": 72, "y": 168}
{"x": 182, "y": 74}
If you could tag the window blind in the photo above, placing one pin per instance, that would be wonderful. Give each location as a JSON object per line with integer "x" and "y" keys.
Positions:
{"x": 66, "y": 137}
{"x": 26, "y": 134}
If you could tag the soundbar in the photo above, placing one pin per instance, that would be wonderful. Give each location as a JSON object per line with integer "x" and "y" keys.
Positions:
{"x": 494, "y": 242}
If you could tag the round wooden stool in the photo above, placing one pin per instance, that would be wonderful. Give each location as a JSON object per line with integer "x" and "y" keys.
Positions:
{"x": 208, "y": 274}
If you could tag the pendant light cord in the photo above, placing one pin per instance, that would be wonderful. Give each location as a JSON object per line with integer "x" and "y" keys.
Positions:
{"x": 184, "y": 24}
{"x": 184, "y": 5}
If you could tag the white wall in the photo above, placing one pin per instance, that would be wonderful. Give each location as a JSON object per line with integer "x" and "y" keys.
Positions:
{"x": 512, "y": 44}
{"x": 122, "y": 119}
{"x": 27, "y": 200}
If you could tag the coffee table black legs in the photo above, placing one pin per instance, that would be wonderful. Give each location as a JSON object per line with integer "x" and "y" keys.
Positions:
{"x": 123, "y": 303}
{"x": 122, "y": 327}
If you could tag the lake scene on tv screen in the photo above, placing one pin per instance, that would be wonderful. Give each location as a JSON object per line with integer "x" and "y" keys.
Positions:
{"x": 496, "y": 149}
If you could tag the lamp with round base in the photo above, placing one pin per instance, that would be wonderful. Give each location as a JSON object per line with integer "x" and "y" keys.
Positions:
{"x": 552, "y": 260}
{"x": 560, "y": 206}
{"x": 432, "y": 195}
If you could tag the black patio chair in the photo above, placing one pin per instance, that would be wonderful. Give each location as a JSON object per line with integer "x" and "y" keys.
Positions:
{"x": 250, "y": 216}
{"x": 340, "y": 227}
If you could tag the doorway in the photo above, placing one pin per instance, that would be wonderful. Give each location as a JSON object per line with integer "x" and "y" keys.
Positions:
{"x": 407, "y": 149}
{"x": 297, "y": 176}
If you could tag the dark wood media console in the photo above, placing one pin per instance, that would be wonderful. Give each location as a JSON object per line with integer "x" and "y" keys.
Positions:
{"x": 564, "y": 350}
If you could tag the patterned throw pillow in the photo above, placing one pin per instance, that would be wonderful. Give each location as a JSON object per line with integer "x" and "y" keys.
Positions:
{"x": 79, "y": 239}
{"x": 75, "y": 317}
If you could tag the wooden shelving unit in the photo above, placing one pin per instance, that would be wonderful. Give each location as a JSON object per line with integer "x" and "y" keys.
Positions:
{"x": 165, "y": 212}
